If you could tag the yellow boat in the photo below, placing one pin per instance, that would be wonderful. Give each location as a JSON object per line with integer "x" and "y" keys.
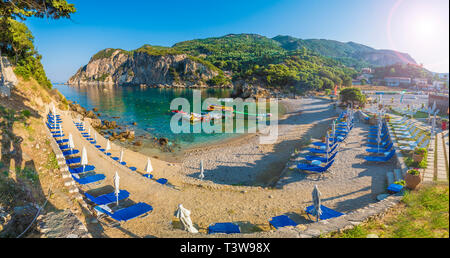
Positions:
{"x": 220, "y": 108}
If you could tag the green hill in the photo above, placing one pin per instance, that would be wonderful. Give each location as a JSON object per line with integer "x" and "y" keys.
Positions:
{"x": 261, "y": 60}
{"x": 350, "y": 53}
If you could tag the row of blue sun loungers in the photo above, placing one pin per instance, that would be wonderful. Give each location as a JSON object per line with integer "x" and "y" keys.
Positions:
{"x": 81, "y": 175}
{"x": 317, "y": 160}
{"x": 283, "y": 220}
{"x": 121, "y": 215}
{"x": 86, "y": 135}
{"x": 381, "y": 151}
{"x": 327, "y": 213}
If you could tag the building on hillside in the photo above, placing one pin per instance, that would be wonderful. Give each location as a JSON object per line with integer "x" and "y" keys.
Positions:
{"x": 366, "y": 77}
{"x": 420, "y": 82}
{"x": 397, "y": 81}
{"x": 438, "y": 85}
{"x": 366, "y": 70}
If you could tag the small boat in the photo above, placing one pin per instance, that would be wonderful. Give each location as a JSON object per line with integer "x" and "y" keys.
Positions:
{"x": 219, "y": 108}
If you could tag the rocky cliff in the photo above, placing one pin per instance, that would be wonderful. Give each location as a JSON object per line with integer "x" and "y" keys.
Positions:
{"x": 116, "y": 66}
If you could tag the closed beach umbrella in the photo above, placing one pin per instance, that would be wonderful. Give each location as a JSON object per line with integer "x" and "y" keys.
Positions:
{"x": 108, "y": 146}
{"x": 201, "y": 176}
{"x": 116, "y": 187}
{"x": 121, "y": 155}
{"x": 316, "y": 200}
{"x": 71, "y": 144}
{"x": 148, "y": 167}
{"x": 84, "y": 159}
{"x": 433, "y": 125}
{"x": 89, "y": 131}
{"x": 379, "y": 135}
{"x": 434, "y": 107}
{"x": 334, "y": 130}
{"x": 95, "y": 137}
{"x": 54, "y": 110}
{"x": 327, "y": 147}
{"x": 185, "y": 218}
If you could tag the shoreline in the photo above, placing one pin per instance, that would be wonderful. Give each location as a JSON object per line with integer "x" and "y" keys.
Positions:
{"x": 177, "y": 156}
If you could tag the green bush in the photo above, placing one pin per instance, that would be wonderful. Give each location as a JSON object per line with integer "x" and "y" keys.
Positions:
{"x": 414, "y": 172}
{"x": 400, "y": 182}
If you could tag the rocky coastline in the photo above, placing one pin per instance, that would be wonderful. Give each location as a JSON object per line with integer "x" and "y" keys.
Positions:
{"x": 115, "y": 132}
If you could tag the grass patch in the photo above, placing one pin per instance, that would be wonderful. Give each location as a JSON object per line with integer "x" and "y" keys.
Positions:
{"x": 420, "y": 114}
{"x": 422, "y": 214}
{"x": 52, "y": 162}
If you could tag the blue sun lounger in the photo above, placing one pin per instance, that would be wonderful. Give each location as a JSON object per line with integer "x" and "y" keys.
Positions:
{"x": 62, "y": 141}
{"x": 316, "y": 169}
{"x": 137, "y": 210}
{"x": 374, "y": 139}
{"x": 322, "y": 151}
{"x": 133, "y": 168}
{"x": 282, "y": 221}
{"x": 89, "y": 179}
{"x": 107, "y": 198}
{"x": 73, "y": 161}
{"x": 327, "y": 213}
{"x": 87, "y": 168}
{"x": 150, "y": 176}
{"x": 52, "y": 126}
{"x": 382, "y": 145}
{"x": 394, "y": 188}
{"x": 70, "y": 152}
{"x": 162, "y": 181}
{"x": 227, "y": 228}
{"x": 388, "y": 156}
{"x": 319, "y": 158}
{"x": 381, "y": 150}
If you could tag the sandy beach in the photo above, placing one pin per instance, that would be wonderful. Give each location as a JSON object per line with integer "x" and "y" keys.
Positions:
{"x": 239, "y": 176}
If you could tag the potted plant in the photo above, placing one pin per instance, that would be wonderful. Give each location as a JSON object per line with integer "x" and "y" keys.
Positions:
{"x": 418, "y": 154}
{"x": 412, "y": 178}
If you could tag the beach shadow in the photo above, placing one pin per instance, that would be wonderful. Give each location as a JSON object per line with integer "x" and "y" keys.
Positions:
{"x": 26, "y": 188}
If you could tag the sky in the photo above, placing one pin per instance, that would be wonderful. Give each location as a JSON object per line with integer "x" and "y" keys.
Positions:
{"x": 417, "y": 27}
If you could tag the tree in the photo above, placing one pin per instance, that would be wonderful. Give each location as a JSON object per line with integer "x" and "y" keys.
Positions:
{"x": 327, "y": 83}
{"x": 352, "y": 95}
{"x": 17, "y": 41}
{"x": 347, "y": 81}
{"x": 23, "y": 9}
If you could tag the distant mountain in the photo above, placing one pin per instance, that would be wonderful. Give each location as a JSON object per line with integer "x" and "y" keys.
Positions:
{"x": 350, "y": 53}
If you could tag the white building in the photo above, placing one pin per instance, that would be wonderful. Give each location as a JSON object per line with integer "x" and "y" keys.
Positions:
{"x": 420, "y": 81}
{"x": 438, "y": 85}
{"x": 397, "y": 81}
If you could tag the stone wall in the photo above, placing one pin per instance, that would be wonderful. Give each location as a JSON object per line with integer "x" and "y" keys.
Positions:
{"x": 8, "y": 79}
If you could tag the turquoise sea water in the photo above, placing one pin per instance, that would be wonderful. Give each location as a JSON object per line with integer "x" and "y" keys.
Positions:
{"x": 148, "y": 107}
